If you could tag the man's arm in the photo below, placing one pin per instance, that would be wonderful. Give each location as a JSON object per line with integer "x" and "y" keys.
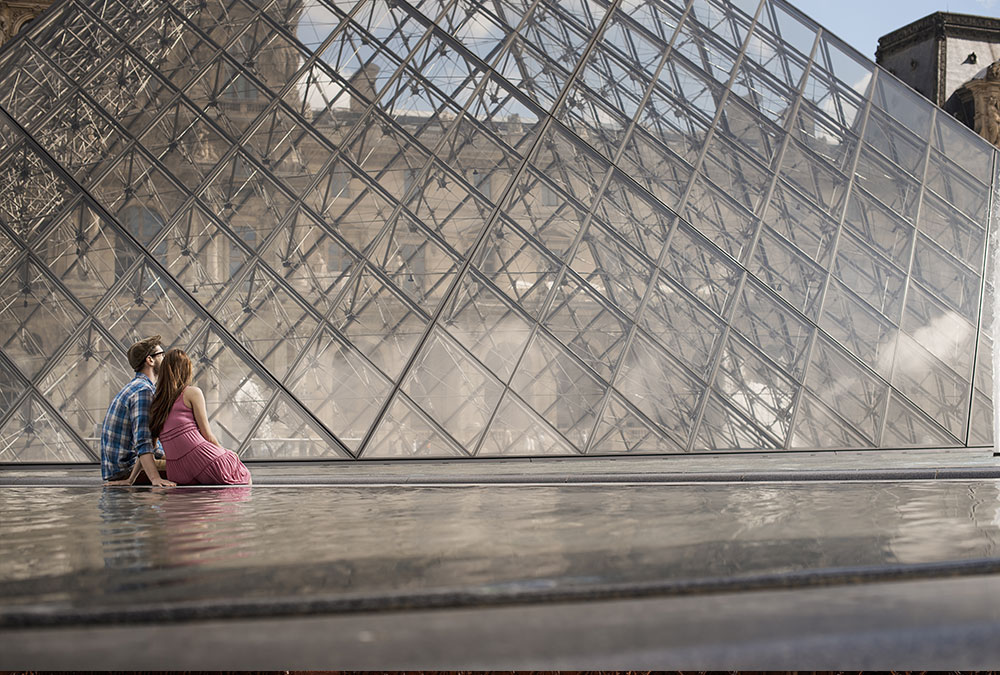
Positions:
{"x": 148, "y": 465}
{"x": 142, "y": 439}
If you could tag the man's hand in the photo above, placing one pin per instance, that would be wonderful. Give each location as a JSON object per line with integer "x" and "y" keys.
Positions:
{"x": 163, "y": 482}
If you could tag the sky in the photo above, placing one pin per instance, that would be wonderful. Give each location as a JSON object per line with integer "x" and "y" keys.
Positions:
{"x": 861, "y": 23}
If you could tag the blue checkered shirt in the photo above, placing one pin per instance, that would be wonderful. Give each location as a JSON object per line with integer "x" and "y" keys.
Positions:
{"x": 125, "y": 434}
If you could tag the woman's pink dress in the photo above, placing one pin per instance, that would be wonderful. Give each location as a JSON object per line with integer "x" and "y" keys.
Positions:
{"x": 191, "y": 460}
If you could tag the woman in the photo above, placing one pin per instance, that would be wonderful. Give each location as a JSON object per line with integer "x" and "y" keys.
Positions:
{"x": 177, "y": 416}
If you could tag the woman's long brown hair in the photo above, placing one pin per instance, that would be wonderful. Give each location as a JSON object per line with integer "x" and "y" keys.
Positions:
{"x": 175, "y": 374}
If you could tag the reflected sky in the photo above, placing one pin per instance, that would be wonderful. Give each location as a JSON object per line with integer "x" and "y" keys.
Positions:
{"x": 91, "y": 548}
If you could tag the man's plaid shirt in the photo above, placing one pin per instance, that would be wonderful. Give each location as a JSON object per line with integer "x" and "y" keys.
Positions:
{"x": 125, "y": 434}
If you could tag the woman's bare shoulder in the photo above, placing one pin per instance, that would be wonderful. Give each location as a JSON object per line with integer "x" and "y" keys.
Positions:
{"x": 192, "y": 394}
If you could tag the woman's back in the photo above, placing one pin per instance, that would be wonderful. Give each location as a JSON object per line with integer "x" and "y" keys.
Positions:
{"x": 193, "y": 460}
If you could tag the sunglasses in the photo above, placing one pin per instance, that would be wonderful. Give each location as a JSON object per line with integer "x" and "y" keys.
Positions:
{"x": 154, "y": 354}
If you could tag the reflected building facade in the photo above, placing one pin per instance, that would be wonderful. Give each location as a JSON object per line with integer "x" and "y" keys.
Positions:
{"x": 459, "y": 229}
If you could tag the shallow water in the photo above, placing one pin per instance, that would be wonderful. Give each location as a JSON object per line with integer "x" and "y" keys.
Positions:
{"x": 106, "y": 547}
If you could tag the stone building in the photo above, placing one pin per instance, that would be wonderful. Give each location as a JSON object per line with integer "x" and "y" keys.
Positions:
{"x": 949, "y": 58}
{"x": 16, "y": 15}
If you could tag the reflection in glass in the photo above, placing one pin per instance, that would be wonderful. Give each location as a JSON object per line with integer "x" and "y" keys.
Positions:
{"x": 435, "y": 229}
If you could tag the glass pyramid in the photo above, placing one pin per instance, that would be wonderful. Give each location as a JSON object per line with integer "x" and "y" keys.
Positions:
{"x": 452, "y": 228}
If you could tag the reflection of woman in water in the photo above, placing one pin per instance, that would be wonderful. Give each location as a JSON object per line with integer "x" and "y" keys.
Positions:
{"x": 178, "y": 417}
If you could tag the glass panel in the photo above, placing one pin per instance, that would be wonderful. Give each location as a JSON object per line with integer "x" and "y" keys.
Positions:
{"x": 772, "y": 328}
{"x": 12, "y": 386}
{"x": 906, "y": 105}
{"x": 565, "y": 394}
{"x": 880, "y": 228}
{"x": 847, "y": 389}
{"x": 660, "y": 388}
{"x": 86, "y": 254}
{"x": 593, "y": 332}
{"x": 726, "y": 224}
{"x": 964, "y": 147}
{"x": 749, "y": 130}
{"x": 30, "y": 193}
{"x": 485, "y": 325}
{"x": 722, "y": 428}
{"x": 623, "y": 430}
{"x": 654, "y": 168}
{"x": 33, "y": 434}
{"x": 285, "y": 432}
{"x": 950, "y": 281}
{"x": 677, "y": 128}
{"x": 342, "y": 389}
{"x": 701, "y": 269}
{"x": 80, "y": 139}
{"x": 516, "y": 265}
{"x": 950, "y": 182}
{"x": 681, "y": 326}
{"x": 827, "y": 139}
{"x": 786, "y": 272}
{"x": 939, "y": 392}
{"x": 405, "y": 431}
{"x": 84, "y": 380}
{"x": 611, "y": 268}
{"x": 907, "y": 428}
{"x": 756, "y": 388}
{"x": 817, "y": 426}
{"x": 266, "y": 320}
{"x": 945, "y": 334}
{"x": 894, "y": 142}
{"x": 981, "y": 424}
{"x": 801, "y": 223}
{"x": 378, "y": 322}
{"x": 418, "y": 266}
{"x": 737, "y": 176}
{"x": 877, "y": 282}
{"x": 235, "y": 395}
{"x": 518, "y": 431}
{"x": 957, "y": 235}
{"x": 129, "y": 92}
{"x": 134, "y": 183}
{"x": 864, "y": 333}
{"x": 147, "y": 304}
{"x": 758, "y": 88}
{"x": 184, "y": 144}
{"x": 448, "y": 209}
{"x": 36, "y": 317}
{"x": 455, "y": 391}
{"x": 32, "y": 89}
{"x": 811, "y": 175}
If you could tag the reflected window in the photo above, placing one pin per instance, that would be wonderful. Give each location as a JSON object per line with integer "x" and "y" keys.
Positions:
{"x": 337, "y": 259}
{"x": 549, "y": 196}
{"x": 236, "y": 255}
{"x": 234, "y": 86}
{"x": 481, "y": 181}
{"x": 409, "y": 177}
{"x": 340, "y": 184}
{"x": 143, "y": 224}
{"x": 411, "y": 269}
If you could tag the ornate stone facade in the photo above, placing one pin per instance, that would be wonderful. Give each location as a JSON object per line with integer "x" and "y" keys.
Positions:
{"x": 946, "y": 57}
{"x": 16, "y": 15}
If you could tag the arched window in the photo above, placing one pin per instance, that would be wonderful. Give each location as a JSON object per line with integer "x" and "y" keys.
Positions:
{"x": 143, "y": 224}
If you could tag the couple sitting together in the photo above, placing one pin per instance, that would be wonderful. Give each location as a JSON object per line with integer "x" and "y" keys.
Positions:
{"x": 158, "y": 414}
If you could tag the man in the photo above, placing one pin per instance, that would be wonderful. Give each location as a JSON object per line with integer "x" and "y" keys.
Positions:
{"x": 126, "y": 444}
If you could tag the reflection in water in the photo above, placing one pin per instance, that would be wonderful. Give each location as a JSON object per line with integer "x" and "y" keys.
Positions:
{"x": 88, "y": 547}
